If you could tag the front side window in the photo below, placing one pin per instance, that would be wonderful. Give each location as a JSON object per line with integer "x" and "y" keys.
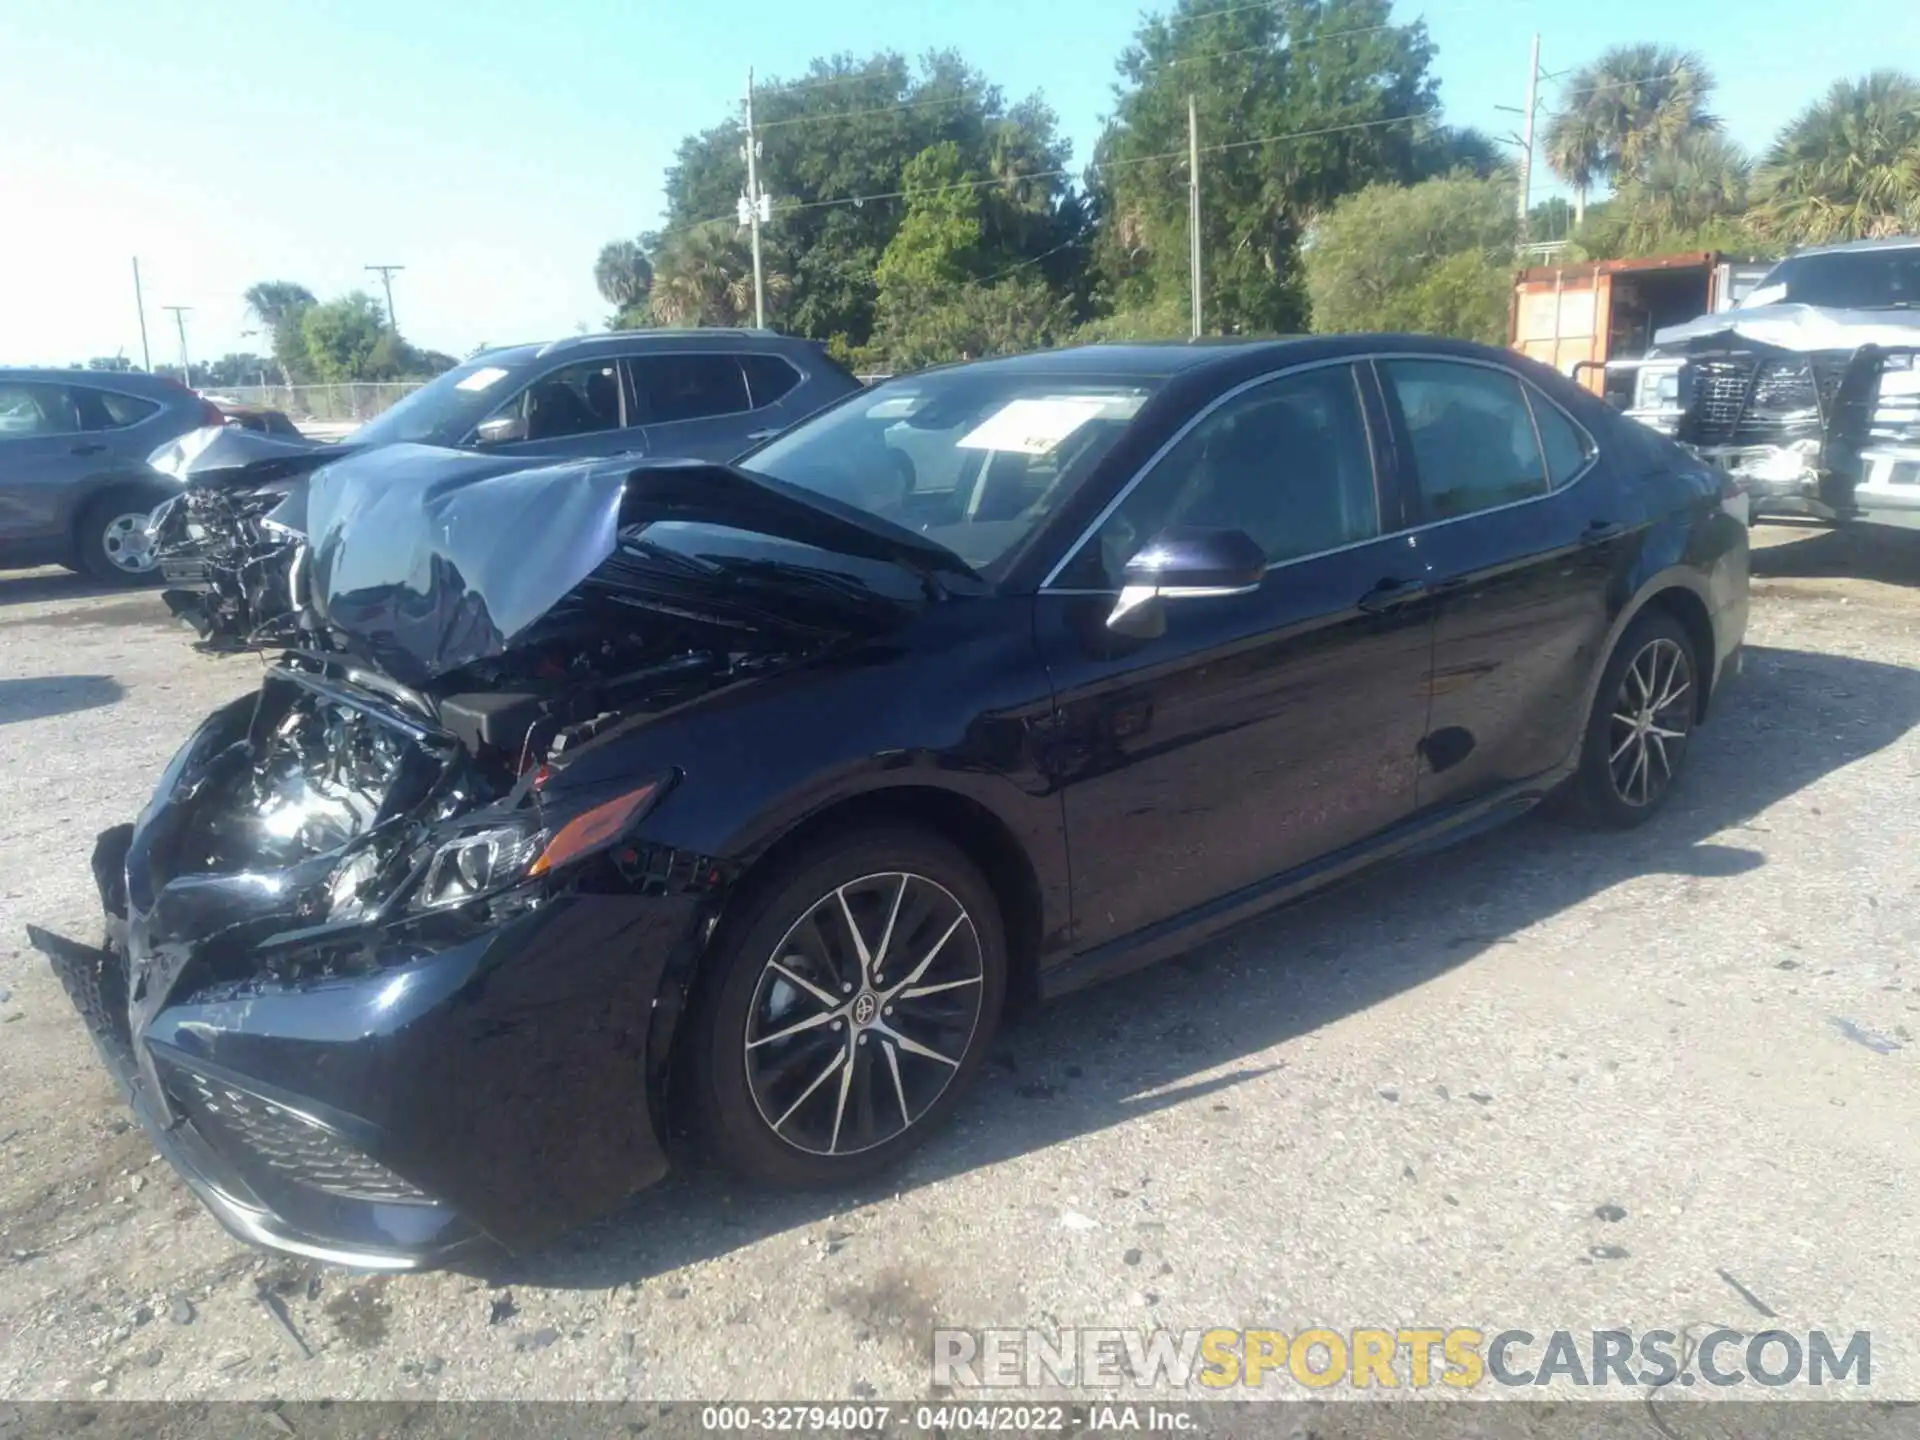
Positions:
{"x": 976, "y": 460}
{"x": 28, "y": 412}
{"x": 1474, "y": 446}
{"x": 575, "y": 400}
{"x": 670, "y": 388}
{"x": 1287, "y": 462}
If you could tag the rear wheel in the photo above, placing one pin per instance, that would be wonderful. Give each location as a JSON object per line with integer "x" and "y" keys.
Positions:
{"x": 110, "y": 542}
{"x": 847, "y": 1009}
{"x": 1643, "y": 714}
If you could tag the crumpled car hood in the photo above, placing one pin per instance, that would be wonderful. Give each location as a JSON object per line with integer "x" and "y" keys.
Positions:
{"x": 1803, "y": 328}
{"x": 426, "y": 560}
{"x": 228, "y": 456}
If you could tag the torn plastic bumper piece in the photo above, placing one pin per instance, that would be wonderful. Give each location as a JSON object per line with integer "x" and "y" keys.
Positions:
{"x": 491, "y": 1090}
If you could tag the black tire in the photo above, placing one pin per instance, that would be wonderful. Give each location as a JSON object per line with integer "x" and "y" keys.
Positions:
{"x": 1629, "y": 766}
{"x": 101, "y": 549}
{"x": 762, "y": 1044}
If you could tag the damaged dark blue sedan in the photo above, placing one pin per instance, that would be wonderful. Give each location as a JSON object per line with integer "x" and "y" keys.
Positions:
{"x": 589, "y": 804}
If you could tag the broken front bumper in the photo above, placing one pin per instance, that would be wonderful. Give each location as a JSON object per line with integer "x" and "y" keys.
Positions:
{"x": 493, "y": 1089}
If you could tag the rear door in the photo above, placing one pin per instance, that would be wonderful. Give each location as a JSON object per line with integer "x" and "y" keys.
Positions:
{"x": 1258, "y": 732}
{"x": 1521, "y": 537}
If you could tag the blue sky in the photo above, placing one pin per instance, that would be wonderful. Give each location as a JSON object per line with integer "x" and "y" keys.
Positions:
{"x": 491, "y": 148}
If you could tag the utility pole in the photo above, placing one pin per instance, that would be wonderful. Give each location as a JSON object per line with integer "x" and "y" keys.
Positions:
{"x": 1526, "y": 140}
{"x": 180, "y": 323}
{"x": 146, "y": 357}
{"x": 754, "y": 209}
{"x": 1193, "y": 209}
{"x": 386, "y": 279}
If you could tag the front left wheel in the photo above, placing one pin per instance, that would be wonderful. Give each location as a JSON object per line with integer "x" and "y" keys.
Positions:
{"x": 849, "y": 1005}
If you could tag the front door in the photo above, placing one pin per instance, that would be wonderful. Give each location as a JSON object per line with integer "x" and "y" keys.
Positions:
{"x": 1258, "y": 732}
{"x": 1521, "y": 543}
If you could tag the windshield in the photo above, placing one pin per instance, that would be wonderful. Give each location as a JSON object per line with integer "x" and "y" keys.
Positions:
{"x": 1843, "y": 280}
{"x": 975, "y": 460}
{"x": 446, "y": 408}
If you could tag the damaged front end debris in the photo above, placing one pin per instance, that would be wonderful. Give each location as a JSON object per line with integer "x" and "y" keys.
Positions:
{"x": 379, "y": 975}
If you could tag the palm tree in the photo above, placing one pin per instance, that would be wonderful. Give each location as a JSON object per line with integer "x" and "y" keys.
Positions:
{"x": 624, "y": 275}
{"x": 1631, "y": 104}
{"x": 1848, "y": 167}
{"x": 1683, "y": 188}
{"x": 276, "y": 306}
{"x": 704, "y": 276}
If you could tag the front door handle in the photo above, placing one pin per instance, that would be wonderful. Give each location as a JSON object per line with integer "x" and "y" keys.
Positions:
{"x": 763, "y": 434}
{"x": 92, "y": 449}
{"x": 1391, "y": 592}
{"x": 1599, "y": 532}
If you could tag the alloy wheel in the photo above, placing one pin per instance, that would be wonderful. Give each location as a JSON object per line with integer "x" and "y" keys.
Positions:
{"x": 864, "y": 1013}
{"x": 126, "y": 544}
{"x": 1652, "y": 715}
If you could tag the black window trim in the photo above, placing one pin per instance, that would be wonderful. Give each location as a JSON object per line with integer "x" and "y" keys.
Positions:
{"x": 1353, "y": 364}
{"x": 1527, "y": 391}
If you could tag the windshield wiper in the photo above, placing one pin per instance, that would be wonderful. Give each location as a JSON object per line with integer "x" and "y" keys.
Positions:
{"x": 821, "y": 579}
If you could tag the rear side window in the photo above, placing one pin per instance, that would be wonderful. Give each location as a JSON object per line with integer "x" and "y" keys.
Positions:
{"x": 1474, "y": 445}
{"x": 768, "y": 378}
{"x": 109, "y": 410}
{"x": 668, "y": 388}
{"x": 1568, "y": 449}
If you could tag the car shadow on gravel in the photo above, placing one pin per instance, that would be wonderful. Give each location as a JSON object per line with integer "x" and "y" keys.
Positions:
{"x": 1890, "y": 556}
{"x": 1197, "y": 1026}
{"x": 25, "y": 587}
{"x": 38, "y": 697}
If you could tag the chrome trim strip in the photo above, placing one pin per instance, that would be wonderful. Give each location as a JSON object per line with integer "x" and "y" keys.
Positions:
{"x": 1147, "y": 466}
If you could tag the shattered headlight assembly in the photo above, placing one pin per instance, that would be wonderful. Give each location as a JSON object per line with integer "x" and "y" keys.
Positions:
{"x": 481, "y": 861}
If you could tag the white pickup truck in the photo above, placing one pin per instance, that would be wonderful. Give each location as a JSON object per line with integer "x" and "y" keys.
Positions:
{"x": 1808, "y": 391}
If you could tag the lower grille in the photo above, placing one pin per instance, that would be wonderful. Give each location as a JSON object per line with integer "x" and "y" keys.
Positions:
{"x": 290, "y": 1145}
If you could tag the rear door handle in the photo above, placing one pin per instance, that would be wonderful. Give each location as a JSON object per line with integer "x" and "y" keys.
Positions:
{"x": 762, "y": 434}
{"x": 1599, "y": 532}
{"x": 1391, "y": 592}
{"x": 88, "y": 449}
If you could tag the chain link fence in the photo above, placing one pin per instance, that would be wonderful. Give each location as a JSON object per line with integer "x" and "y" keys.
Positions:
{"x": 329, "y": 407}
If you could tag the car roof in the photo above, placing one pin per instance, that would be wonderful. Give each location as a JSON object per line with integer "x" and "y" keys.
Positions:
{"x": 627, "y": 341}
{"x": 1166, "y": 359}
{"x": 137, "y": 382}
{"x": 1848, "y": 247}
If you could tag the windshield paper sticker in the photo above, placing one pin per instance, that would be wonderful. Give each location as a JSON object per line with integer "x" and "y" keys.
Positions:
{"x": 1033, "y": 427}
{"x": 481, "y": 378}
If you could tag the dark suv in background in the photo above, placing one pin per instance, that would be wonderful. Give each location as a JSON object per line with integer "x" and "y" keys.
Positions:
{"x": 75, "y": 488}
{"x": 701, "y": 394}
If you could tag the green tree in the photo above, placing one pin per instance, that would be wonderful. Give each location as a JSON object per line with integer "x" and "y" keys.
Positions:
{"x": 1299, "y": 103}
{"x": 1687, "y": 193}
{"x": 1623, "y": 109}
{"x": 1433, "y": 258}
{"x": 704, "y": 276}
{"x": 1847, "y": 167}
{"x": 835, "y": 145}
{"x": 344, "y": 337}
{"x": 277, "y": 307}
{"x": 624, "y": 275}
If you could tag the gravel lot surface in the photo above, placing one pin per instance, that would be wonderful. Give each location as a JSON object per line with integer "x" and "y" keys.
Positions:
{"x": 1546, "y": 1079}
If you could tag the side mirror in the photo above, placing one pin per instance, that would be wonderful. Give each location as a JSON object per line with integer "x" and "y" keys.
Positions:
{"x": 501, "y": 430}
{"x": 1186, "y": 563}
